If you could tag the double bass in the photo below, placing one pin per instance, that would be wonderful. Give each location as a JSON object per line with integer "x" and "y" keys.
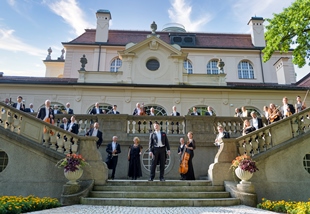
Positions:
{"x": 184, "y": 162}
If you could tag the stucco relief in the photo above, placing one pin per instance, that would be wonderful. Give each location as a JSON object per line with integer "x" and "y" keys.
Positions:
{"x": 153, "y": 45}
{"x": 177, "y": 100}
{"x": 78, "y": 98}
{"x": 103, "y": 98}
{"x": 127, "y": 99}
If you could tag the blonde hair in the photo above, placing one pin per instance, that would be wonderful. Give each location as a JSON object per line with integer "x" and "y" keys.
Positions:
{"x": 136, "y": 138}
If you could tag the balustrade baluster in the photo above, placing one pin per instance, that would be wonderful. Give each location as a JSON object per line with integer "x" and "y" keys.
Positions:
{"x": 247, "y": 146}
{"x": 241, "y": 147}
{"x": 53, "y": 139}
{"x": 181, "y": 127}
{"x": 74, "y": 147}
{"x": 254, "y": 144}
{"x": 8, "y": 120}
{"x": 46, "y": 137}
{"x": 260, "y": 141}
{"x": 67, "y": 145}
{"x": 267, "y": 138}
{"x": 60, "y": 142}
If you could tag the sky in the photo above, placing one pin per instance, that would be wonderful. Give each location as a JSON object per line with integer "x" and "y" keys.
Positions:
{"x": 29, "y": 27}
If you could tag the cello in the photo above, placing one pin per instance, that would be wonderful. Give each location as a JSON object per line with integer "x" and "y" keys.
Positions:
{"x": 184, "y": 162}
{"x": 51, "y": 121}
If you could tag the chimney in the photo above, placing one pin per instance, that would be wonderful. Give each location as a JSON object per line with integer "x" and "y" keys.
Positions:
{"x": 102, "y": 30}
{"x": 257, "y": 31}
{"x": 285, "y": 71}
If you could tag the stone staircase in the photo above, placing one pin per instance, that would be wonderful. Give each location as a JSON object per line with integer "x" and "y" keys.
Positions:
{"x": 170, "y": 193}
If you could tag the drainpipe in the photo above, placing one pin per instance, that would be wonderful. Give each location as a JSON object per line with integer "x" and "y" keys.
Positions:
{"x": 261, "y": 64}
{"x": 99, "y": 57}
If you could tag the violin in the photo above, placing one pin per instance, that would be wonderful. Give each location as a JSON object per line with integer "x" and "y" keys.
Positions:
{"x": 51, "y": 121}
{"x": 184, "y": 162}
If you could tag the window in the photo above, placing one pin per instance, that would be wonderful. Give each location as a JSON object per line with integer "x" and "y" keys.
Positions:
{"x": 212, "y": 67}
{"x": 3, "y": 160}
{"x": 307, "y": 162}
{"x": 115, "y": 65}
{"x": 105, "y": 107}
{"x": 152, "y": 64}
{"x": 159, "y": 111}
{"x": 201, "y": 109}
{"x": 188, "y": 66}
{"x": 245, "y": 70}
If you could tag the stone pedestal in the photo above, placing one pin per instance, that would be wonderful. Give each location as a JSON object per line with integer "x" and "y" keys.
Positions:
{"x": 246, "y": 186}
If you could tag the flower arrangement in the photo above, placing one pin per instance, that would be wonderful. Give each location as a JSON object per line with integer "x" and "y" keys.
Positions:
{"x": 245, "y": 163}
{"x": 72, "y": 162}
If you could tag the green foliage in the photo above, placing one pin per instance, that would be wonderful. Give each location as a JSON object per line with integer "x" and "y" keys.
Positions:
{"x": 291, "y": 27}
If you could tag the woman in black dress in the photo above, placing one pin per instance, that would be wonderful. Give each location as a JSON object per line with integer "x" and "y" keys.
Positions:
{"x": 189, "y": 148}
{"x": 134, "y": 152}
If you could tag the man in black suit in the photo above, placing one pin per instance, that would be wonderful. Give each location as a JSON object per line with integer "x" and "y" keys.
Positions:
{"x": 195, "y": 112}
{"x": 73, "y": 126}
{"x": 255, "y": 121}
{"x": 113, "y": 149}
{"x": 56, "y": 110}
{"x": 286, "y": 109}
{"x": 65, "y": 124}
{"x": 30, "y": 109}
{"x": 222, "y": 134}
{"x": 19, "y": 104}
{"x": 96, "y": 109}
{"x": 68, "y": 109}
{"x": 174, "y": 111}
{"x": 46, "y": 111}
{"x": 158, "y": 147}
{"x": 113, "y": 110}
{"x": 97, "y": 133}
{"x": 209, "y": 112}
{"x": 137, "y": 110}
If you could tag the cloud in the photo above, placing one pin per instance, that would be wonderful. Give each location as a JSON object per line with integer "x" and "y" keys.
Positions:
{"x": 11, "y": 43}
{"x": 11, "y": 2}
{"x": 72, "y": 14}
{"x": 181, "y": 13}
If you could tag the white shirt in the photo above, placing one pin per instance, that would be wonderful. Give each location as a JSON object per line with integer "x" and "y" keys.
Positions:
{"x": 174, "y": 113}
{"x": 18, "y": 105}
{"x": 47, "y": 113}
{"x": 285, "y": 107}
{"x": 255, "y": 123}
{"x": 95, "y": 132}
{"x": 97, "y": 110}
{"x": 113, "y": 146}
{"x": 70, "y": 127}
{"x": 210, "y": 112}
{"x": 31, "y": 110}
{"x": 159, "y": 142}
{"x": 55, "y": 111}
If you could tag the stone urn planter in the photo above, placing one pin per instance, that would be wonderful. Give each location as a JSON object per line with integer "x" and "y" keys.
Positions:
{"x": 73, "y": 176}
{"x": 243, "y": 175}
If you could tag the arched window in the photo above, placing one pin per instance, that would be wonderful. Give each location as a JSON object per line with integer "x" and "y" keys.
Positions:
{"x": 245, "y": 70}
{"x": 159, "y": 111}
{"x": 60, "y": 106}
{"x": 115, "y": 65}
{"x": 212, "y": 67}
{"x": 188, "y": 66}
{"x": 201, "y": 109}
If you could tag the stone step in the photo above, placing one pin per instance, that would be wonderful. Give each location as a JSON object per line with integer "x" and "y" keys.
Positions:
{"x": 159, "y": 202}
{"x": 156, "y": 183}
{"x": 159, "y": 188}
{"x": 124, "y": 194}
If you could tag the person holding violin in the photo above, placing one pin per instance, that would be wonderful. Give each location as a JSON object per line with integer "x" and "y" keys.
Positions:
{"x": 158, "y": 147}
{"x": 300, "y": 105}
{"x": 287, "y": 109}
{"x": 222, "y": 134}
{"x": 274, "y": 113}
{"x": 189, "y": 148}
{"x": 46, "y": 113}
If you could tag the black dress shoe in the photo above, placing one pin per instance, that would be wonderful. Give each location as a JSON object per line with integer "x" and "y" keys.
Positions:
{"x": 150, "y": 179}
{"x": 162, "y": 179}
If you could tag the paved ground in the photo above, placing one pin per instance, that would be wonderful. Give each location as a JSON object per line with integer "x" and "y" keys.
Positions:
{"x": 82, "y": 209}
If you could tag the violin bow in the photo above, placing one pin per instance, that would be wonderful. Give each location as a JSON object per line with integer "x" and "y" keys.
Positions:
{"x": 305, "y": 97}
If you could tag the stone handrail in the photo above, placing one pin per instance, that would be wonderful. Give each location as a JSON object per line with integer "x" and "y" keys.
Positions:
{"x": 43, "y": 133}
{"x": 273, "y": 134}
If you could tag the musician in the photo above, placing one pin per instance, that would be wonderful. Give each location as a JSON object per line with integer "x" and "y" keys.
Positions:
{"x": 96, "y": 109}
{"x": 158, "y": 146}
{"x": 299, "y": 106}
{"x": 137, "y": 110}
{"x": 266, "y": 111}
{"x": 189, "y": 148}
{"x": 30, "y": 109}
{"x": 255, "y": 121}
{"x": 7, "y": 101}
{"x": 65, "y": 124}
{"x": 68, "y": 109}
{"x": 56, "y": 110}
{"x": 238, "y": 112}
{"x": 174, "y": 111}
{"x": 287, "y": 109}
{"x": 274, "y": 114}
{"x": 180, "y": 152}
{"x": 113, "y": 149}
{"x": 94, "y": 131}
{"x": 19, "y": 104}
{"x": 247, "y": 127}
{"x": 46, "y": 111}
{"x": 73, "y": 126}
{"x": 210, "y": 111}
{"x": 113, "y": 110}
{"x": 152, "y": 112}
{"x": 222, "y": 134}
{"x": 195, "y": 112}
{"x": 245, "y": 112}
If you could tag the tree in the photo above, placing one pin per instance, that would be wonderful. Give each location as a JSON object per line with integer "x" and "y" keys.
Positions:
{"x": 290, "y": 28}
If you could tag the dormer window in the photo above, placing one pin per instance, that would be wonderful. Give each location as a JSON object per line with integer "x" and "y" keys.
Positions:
{"x": 245, "y": 70}
{"x": 115, "y": 65}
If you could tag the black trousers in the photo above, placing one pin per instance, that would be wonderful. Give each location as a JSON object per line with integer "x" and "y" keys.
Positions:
{"x": 159, "y": 155}
{"x": 113, "y": 165}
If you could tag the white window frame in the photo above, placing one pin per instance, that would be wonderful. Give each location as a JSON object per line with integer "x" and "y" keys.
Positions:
{"x": 245, "y": 70}
{"x": 115, "y": 64}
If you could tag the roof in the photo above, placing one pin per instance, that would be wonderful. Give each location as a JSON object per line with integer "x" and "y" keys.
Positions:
{"x": 304, "y": 82}
{"x": 203, "y": 40}
{"x": 73, "y": 81}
